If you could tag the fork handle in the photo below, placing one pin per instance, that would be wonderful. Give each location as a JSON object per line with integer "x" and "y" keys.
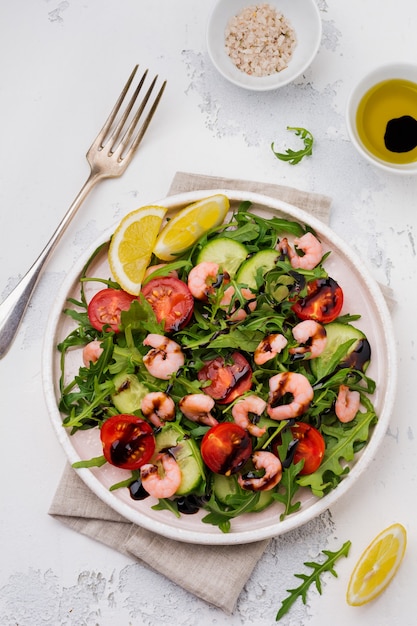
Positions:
{"x": 13, "y": 308}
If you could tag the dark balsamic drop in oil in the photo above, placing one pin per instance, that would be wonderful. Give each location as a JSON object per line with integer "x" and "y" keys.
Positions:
{"x": 401, "y": 134}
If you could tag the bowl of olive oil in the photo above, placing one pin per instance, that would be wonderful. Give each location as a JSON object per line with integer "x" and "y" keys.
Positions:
{"x": 382, "y": 117}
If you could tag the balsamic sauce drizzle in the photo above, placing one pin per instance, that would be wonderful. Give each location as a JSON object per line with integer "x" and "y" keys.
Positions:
{"x": 401, "y": 134}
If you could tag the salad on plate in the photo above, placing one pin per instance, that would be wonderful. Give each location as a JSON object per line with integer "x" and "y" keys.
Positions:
{"x": 228, "y": 380}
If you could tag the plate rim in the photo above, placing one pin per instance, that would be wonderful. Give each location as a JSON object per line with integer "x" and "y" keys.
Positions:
{"x": 172, "y": 203}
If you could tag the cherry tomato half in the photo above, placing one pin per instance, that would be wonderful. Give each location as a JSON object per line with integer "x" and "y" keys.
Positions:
{"x": 230, "y": 377}
{"x": 128, "y": 441}
{"x": 106, "y": 306}
{"x": 171, "y": 301}
{"x": 310, "y": 447}
{"x": 323, "y": 302}
{"x": 225, "y": 448}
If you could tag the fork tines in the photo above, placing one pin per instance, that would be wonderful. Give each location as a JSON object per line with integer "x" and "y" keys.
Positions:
{"x": 122, "y": 133}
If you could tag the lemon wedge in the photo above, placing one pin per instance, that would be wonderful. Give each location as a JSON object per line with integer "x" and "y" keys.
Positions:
{"x": 377, "y": 565}
{"x": 131, "y": 246}
{"x": 189, "y": 224}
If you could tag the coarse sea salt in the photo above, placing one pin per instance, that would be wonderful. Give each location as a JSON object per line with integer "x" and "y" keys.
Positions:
{"x": 259, "y": 40}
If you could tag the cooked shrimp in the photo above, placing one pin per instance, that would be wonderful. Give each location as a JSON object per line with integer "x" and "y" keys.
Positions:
{"x": 158, "y": 408}
{"x": 312, "y": 338}
{"x": 243, "y": 408}
{"x": 197, "y": 407}
{"x": 237, "y": 312}
{"x": 313, "y": 252}
{"x": 161, "y": 486}
{"x": 347, "y": 404}
{"x": 295, "y": 384}
{"x": 92, "y": 352}
{"x": 165, "y": 358}
{"x": 204, "y": 278}
{"x": 309, "y": 245}
{"x": 285, "y": 248}
{"x": 269, "y": 347}
{"x": 272, "y": 476}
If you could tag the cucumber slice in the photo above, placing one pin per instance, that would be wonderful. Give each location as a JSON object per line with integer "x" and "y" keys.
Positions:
{"x": 129, "y": 393}
{"x": 357, "y": 353}
{"x": 229, "y": 254}
{"x": 263, "y": 260}
{"x": 187, "y": 455}
{"x": 265, "y": 499}
{"x": 224, "y": 486}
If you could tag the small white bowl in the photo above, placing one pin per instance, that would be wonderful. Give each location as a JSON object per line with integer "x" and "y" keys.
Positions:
{"x": 392, "y": 71}
{"x": 303, "y": 16}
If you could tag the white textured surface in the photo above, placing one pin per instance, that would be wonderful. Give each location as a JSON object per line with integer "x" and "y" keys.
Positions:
{"x": 63, "y": 63}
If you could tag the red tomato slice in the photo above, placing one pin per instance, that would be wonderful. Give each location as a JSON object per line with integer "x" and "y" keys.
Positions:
{"x": 230, "y": 377}
{"x": 171, "y": 301}
{"x": 128, "y": 441}
{"x": 106, "y": 306}
{"x": 310, "y": 446}
{"x": 225, "y": 448}
{"x": 323, "y": 302}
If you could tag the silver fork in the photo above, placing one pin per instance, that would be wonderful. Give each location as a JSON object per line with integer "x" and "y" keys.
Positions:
{"x": 108, "y": 157}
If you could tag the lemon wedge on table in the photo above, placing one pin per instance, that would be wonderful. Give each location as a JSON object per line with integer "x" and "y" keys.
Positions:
{"x": 131, "y": 246}
{"x": 189, "y": 224}
{"x": 377, "y": 565}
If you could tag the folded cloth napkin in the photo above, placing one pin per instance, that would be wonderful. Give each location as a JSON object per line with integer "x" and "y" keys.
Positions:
{"x": 216, "y": 574}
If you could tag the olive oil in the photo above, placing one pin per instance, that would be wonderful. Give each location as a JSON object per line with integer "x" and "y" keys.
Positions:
{"x": 386, "y": 121}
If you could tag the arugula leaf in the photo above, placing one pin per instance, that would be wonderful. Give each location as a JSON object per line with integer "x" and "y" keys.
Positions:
{"x": 244, "y": 234}
{"x": 314, "y": 577}
{"x": 84, "y": 410}
{"x": 341, "y": 445}
{"x": 96, "y": 461}
{"x": 89, "y": 261}
{"x": 140, "y": 317}
{"x": 166, "y": 269}
{"x": 135, "y": 475}
{"x": 165, "y": 504}
{"x": 236, "y": 505}
{"x": 326, "y": 367}
{"x": 289, "y": 476}
{"x": 291, "y": 156}
{"x": 239, "y": 339}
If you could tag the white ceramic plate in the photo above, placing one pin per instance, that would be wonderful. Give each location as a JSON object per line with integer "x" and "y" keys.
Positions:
{"x": 304, "y": 17}
{"x": 362, "y": 295}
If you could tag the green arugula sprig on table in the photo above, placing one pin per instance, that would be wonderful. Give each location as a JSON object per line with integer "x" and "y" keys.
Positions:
{"x": 314, "y": 577}
{"x": 294, "y": 156}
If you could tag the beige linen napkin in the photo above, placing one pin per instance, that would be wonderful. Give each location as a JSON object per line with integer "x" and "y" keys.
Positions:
{"x": 216, "y": 574}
